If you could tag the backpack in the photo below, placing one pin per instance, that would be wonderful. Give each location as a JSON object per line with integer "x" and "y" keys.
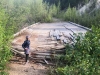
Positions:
{"x": 24, "y": 44}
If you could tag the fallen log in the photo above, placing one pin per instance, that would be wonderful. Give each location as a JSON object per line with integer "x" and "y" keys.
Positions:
{"x": 44, "y": 57}
{"x": 37, "y": 55}
{"x": 17, "y": 52}
{"x": 49, "y": 53}
{"x": 42, "y": 54}
{"x": 43, "y": 46}
{"x": 46, "y": 61}
{"x": 23, "y": 55}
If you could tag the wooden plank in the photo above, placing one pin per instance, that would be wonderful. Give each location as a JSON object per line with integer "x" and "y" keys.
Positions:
{"x": 43, "y": 46}
{"x": 57, "y": 32}
{"x": 49, "y": 51}
{"x": 23, "y": 55}
{"x": 17, "y": 52}
{"x": 51, "y": 33}
{"x": 72, "y": 36}
{"x": 65, "y": 41}
{"x": 79, "y": 26}
{"x": 68, "y": 29}
{"x": 39, "y": 56}
{"x": 45, "y": 54}
{"x": 46, "y": 61}
{"x": 58, "y": 38}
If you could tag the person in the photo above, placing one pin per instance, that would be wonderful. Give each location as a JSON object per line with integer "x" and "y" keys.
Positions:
{"x": 26, "y": 47}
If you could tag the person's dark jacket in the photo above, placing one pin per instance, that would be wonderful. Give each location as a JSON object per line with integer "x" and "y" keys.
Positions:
{"x": 26, "y": 44}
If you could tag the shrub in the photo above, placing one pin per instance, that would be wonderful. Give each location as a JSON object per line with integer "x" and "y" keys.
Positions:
{"x": 83, "y": 57}
{"x": 5, "y": 39}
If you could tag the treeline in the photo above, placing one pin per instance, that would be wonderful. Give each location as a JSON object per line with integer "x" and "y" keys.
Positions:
{"x": 65, "y": 3}
{"x": 70, "y": 12}
{"x": 85, "y": 19}
{"x": 29, "y": 11}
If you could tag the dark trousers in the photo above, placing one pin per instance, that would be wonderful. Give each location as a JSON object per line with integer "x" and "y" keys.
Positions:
{"x": 27, "y": 57}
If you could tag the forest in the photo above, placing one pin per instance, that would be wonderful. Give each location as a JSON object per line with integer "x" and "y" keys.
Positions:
{"x": 65, "y": 3}
{"x": 81, "y": 59}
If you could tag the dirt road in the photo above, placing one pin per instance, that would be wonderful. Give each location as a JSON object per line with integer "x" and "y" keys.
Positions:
{"x": 18, "y": 67}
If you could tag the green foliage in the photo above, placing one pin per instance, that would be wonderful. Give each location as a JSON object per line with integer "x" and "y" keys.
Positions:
{"x": 3, "y": 73}
{"x": 65, "y": 3}
{"x": 84, "y": 57}
{"x": 42, "y": 12}
{"x": 70, "y": 14}
{"x": 5, "y": 39}
{"x": 31, "y": 11}
{"x": 86, "y": 19}
{"x": 28, "y": 11}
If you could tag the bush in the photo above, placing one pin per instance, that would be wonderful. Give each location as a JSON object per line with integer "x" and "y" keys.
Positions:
{"x": 5, "y": 39}
{"x": 83, "y": 57}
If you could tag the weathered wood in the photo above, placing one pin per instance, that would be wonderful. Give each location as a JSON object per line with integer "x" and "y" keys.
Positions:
{"x": 49, "y": 52}
{"x": 17, "y": 52}
{"x": 57, "y": 38}
{"x": 68, "y": 29}
{"x": 51, "y": 33}
{"x": 72, "y": 36}
{"x": 19, "y": 49}
{"x": 37, "y": 55}
{"x": 44, "y": 54}
{"x": 40, "y": 56}
{"x": 23, "y": 55}
{"x": 46, "y": 61}
{"x": 80, "y": 26}
{"x": 43, "y": 46}
{"x": 57, "y": 32}
{"x": 65, "y": 41}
